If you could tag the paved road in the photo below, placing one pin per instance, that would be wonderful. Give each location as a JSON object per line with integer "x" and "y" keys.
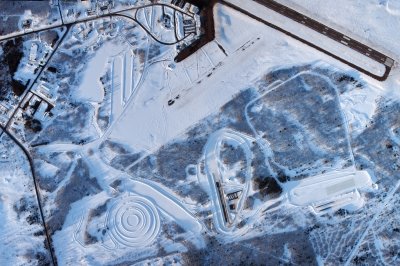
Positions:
{"x": 22, "y": 97}
{"x": 330, "y": 33}
{"x": 4, "y": 129}
{"x": 106, "y": 15}
{"x": 36, "y": 186}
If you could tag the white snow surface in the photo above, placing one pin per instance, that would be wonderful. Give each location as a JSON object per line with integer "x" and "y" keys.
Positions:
{"x": 326, "y": 186}
{"x": 312, "y": 36}
{"x": 359, "y": 106}
{"x": 89, "y": 90}
{"x": 17, "y": 241}
{"x": 252, "y": 48}
{"x": 203, "y": 82}
{"x": 121, "y": 237}
{"x": 373, "y": 22}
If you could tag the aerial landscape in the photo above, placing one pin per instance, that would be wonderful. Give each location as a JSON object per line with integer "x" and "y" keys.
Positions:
{"x": 200, "y": 132}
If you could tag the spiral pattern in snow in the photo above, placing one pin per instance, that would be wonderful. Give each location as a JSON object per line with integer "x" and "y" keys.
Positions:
{"x": 134, "y": 222}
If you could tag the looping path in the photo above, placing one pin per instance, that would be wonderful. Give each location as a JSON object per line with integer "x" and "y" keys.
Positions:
{"x": 134, "y": 222}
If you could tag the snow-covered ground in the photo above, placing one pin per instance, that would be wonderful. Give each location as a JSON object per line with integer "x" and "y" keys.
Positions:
{"x": 373, "y": 22}
{"x": 89, "y": 89}
{"x": 327, "y": 186}
{"x": 312, "y": 36}
{"x": 22, "y": 240}
{"x": 269, "y": 117}
{"x": 250, "y": 54}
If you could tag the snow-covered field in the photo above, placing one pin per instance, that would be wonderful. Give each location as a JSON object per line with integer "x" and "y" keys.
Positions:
{"x": 22, "y": 239}
{"x": 375, "y": 22}
{"x": 255, "y": 148}
{"x": 314, "y": 37}
{"x": 247, "y": 50}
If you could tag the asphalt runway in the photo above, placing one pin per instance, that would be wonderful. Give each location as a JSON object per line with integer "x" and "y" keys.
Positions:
{"x": 332, "y": 34}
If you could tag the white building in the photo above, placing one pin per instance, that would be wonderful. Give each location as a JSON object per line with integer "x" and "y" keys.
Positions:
{"x": 331, "y": 191}
{"x": 33, "y": 52}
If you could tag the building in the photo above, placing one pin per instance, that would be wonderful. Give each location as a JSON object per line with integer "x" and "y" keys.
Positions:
{"x": 33, "y": 52}
{"x": 189, "y": 26}
{"x": 178, "y": 3}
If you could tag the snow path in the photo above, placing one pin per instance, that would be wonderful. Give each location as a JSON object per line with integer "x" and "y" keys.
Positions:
{"x": 214, "y": 174}
{"x": 371, "y": 223}
{"x": 167, "y": 203}
{"x": 264, "y": 143}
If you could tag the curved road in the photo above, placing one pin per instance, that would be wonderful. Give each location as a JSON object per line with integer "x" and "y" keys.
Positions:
{"x": 17, "y": 142}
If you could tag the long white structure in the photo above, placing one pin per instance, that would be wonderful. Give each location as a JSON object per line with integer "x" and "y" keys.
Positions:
{"x": 332, "y": 190}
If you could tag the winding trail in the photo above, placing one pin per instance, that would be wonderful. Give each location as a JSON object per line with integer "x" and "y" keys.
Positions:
{"x": 265, "y": 144}
{"x": 166, "y": 203}
{"x": 5, "y": 127}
